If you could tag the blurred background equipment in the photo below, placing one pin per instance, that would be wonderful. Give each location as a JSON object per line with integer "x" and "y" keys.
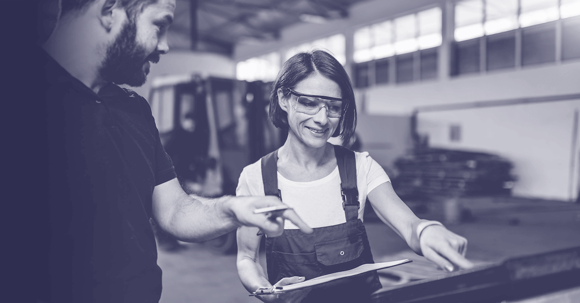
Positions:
{"x": 434, "y": 172}
{"x": 212, "y": 128}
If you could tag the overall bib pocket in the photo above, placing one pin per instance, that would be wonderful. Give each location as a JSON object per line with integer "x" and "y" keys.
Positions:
{"x": 339, "y": 251}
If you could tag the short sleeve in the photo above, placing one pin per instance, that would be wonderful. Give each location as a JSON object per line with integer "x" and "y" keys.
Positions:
{"x": 164, "y": 170}
{"x": 375, "y": 174}
{"x": 163, "y": 166}
{"x": 243, "y": 188}
{"x": 250, "y": 181}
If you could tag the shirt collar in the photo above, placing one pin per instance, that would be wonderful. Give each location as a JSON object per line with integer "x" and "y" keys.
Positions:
{"x": 56, "y": 74}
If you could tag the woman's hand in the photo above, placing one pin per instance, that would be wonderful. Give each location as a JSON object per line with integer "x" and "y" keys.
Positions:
{"x": 294, "y": 296}
{"x": 444, "y": 248}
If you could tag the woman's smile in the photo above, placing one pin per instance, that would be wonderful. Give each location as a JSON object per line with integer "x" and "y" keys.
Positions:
{"x": 317, "y": 131}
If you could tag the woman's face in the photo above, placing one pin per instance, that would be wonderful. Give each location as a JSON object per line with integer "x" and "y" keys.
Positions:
{"x": 312, "y": 130}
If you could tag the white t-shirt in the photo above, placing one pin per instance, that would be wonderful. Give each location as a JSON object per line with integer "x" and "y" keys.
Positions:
{"x": 318, "y": 202}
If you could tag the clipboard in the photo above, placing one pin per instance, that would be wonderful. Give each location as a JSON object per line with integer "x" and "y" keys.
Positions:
{"x": 331, "y": 277}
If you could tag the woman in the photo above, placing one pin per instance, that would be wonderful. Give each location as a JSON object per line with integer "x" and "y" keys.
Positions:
{"x": 327, "y": 186}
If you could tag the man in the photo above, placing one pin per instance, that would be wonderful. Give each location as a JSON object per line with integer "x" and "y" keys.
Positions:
{"x": 108, "y": 173}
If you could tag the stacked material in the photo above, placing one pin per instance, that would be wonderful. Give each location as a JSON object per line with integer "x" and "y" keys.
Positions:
{"x": 431, "y": 172}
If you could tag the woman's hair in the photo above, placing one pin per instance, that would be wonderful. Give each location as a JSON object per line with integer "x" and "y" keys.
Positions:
{"x": 298, "y": 68}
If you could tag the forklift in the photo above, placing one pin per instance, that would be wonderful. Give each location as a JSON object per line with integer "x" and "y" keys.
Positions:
{"x": 212, "y": 128}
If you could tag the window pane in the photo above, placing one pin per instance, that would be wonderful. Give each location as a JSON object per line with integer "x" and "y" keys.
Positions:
{"x": 467, "y": 57}
{"x": 405, "y": 34}
{"x": 501, "y": 51}
{"x": 501, "y": 16}
{"x": 405, "y": 28}
{"x": 362, "y": 44}
{"x": 468, "y": 20}
{"x": 336, "y": 45}
{"x": 362, "y": 55}
{"x": 383, "y": 51}
{"x": 430, "y": 21}
{"x": 429, "y": 63}
{"x": 570, "y": 8}
{"x": 468, "y": 13}
{"x": 429, "y": 28}
{"x": 538, "y": 11}
{"x": 382, "y": 71}
{"x": 382, "y": 33}
{"x": 539, "y": 44}
{"x": 571, "y": 38}
{"x": 404, "y": 68}
{"x": 468, "y": 32}
{"x": 361, "y": 75}
{"x": 362, "y": 38}
{"x": 383, "y": 38}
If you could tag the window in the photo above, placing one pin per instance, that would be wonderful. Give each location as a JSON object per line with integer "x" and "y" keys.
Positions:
{"x": 361, "y": 72}
{"x": 538, "y": 11}
{"x": 571, "y": 38}
{"x": 382, "y": 71}
{"x": 468, "y": 20}
{"x": 467, "y": 57}
{"x": 501, "y": 51}
{"x": 399, "y": 44}
{"x": 539, "y": 44}
{"x": 498, "y": 34}
{"x": 428, "y": 63}
{"x": 263, "y": 68}
{"x": 405, "y": 68}
{"x": 569, "y": 8}
{"x": 500, "y": 16}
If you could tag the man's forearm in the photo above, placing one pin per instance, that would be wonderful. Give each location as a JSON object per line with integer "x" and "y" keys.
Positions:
{"x": 196, "y": 220}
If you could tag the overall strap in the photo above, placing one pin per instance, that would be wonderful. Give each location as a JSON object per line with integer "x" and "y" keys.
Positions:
{"x": 346, "y": 162}
{"x": 270, "y": 174}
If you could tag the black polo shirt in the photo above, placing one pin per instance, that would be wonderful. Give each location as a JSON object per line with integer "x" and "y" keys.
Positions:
{"x": 105, "y": 159}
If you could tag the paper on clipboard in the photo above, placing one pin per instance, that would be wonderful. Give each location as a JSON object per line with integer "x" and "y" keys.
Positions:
{"x": 343, "y": 274}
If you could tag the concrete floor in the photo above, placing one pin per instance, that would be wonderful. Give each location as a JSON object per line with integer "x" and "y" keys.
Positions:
{"x": 496, "y": 228}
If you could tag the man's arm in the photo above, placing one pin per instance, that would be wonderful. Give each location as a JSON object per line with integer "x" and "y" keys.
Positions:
{"x": 193, "y": 220}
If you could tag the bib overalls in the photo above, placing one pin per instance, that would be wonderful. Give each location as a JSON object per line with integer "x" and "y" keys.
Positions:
{"x": 328, "y": 249}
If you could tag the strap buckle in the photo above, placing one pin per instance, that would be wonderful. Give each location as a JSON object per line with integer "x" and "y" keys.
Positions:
{"x": 350, "y": 198}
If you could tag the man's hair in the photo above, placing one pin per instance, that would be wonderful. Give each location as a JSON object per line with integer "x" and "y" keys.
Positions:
{"x": 131, "y": 6}
{"x": 298, "y": 68}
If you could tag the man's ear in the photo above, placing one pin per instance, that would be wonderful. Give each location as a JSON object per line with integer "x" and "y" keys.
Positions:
{"x": 282, "y": 100}
{"x": 107, "y": 13}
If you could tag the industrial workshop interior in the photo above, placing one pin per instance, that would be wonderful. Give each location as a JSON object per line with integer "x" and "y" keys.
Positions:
{"x": 470, "y": 106}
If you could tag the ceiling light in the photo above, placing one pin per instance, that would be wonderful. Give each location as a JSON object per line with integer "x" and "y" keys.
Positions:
{"x": 312, "y": 18}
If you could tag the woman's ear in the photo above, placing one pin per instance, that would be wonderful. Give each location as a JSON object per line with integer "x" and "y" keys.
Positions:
{"x": 282, "y": 100}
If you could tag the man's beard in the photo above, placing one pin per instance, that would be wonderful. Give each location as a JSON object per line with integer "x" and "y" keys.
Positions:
{"x": 125, "y": 58}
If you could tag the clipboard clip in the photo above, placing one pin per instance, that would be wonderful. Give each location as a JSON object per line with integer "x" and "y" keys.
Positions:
{"x": 266, "y": 291}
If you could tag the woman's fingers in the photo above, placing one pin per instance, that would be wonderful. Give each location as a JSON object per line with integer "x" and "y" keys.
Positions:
{"x": 453, "y": 255}
{"x": 437, "y": 259}
{"x": 445, "y": 248}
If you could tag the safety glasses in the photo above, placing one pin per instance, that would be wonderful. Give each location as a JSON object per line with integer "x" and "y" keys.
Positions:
{"x": 311, "y": 104}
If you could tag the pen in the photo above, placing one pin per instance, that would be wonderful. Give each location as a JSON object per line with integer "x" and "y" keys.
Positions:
{"x": 271, "y": 209}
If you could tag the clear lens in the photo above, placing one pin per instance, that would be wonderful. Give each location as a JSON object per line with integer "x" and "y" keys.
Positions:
{"x": 312, "y": 105}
